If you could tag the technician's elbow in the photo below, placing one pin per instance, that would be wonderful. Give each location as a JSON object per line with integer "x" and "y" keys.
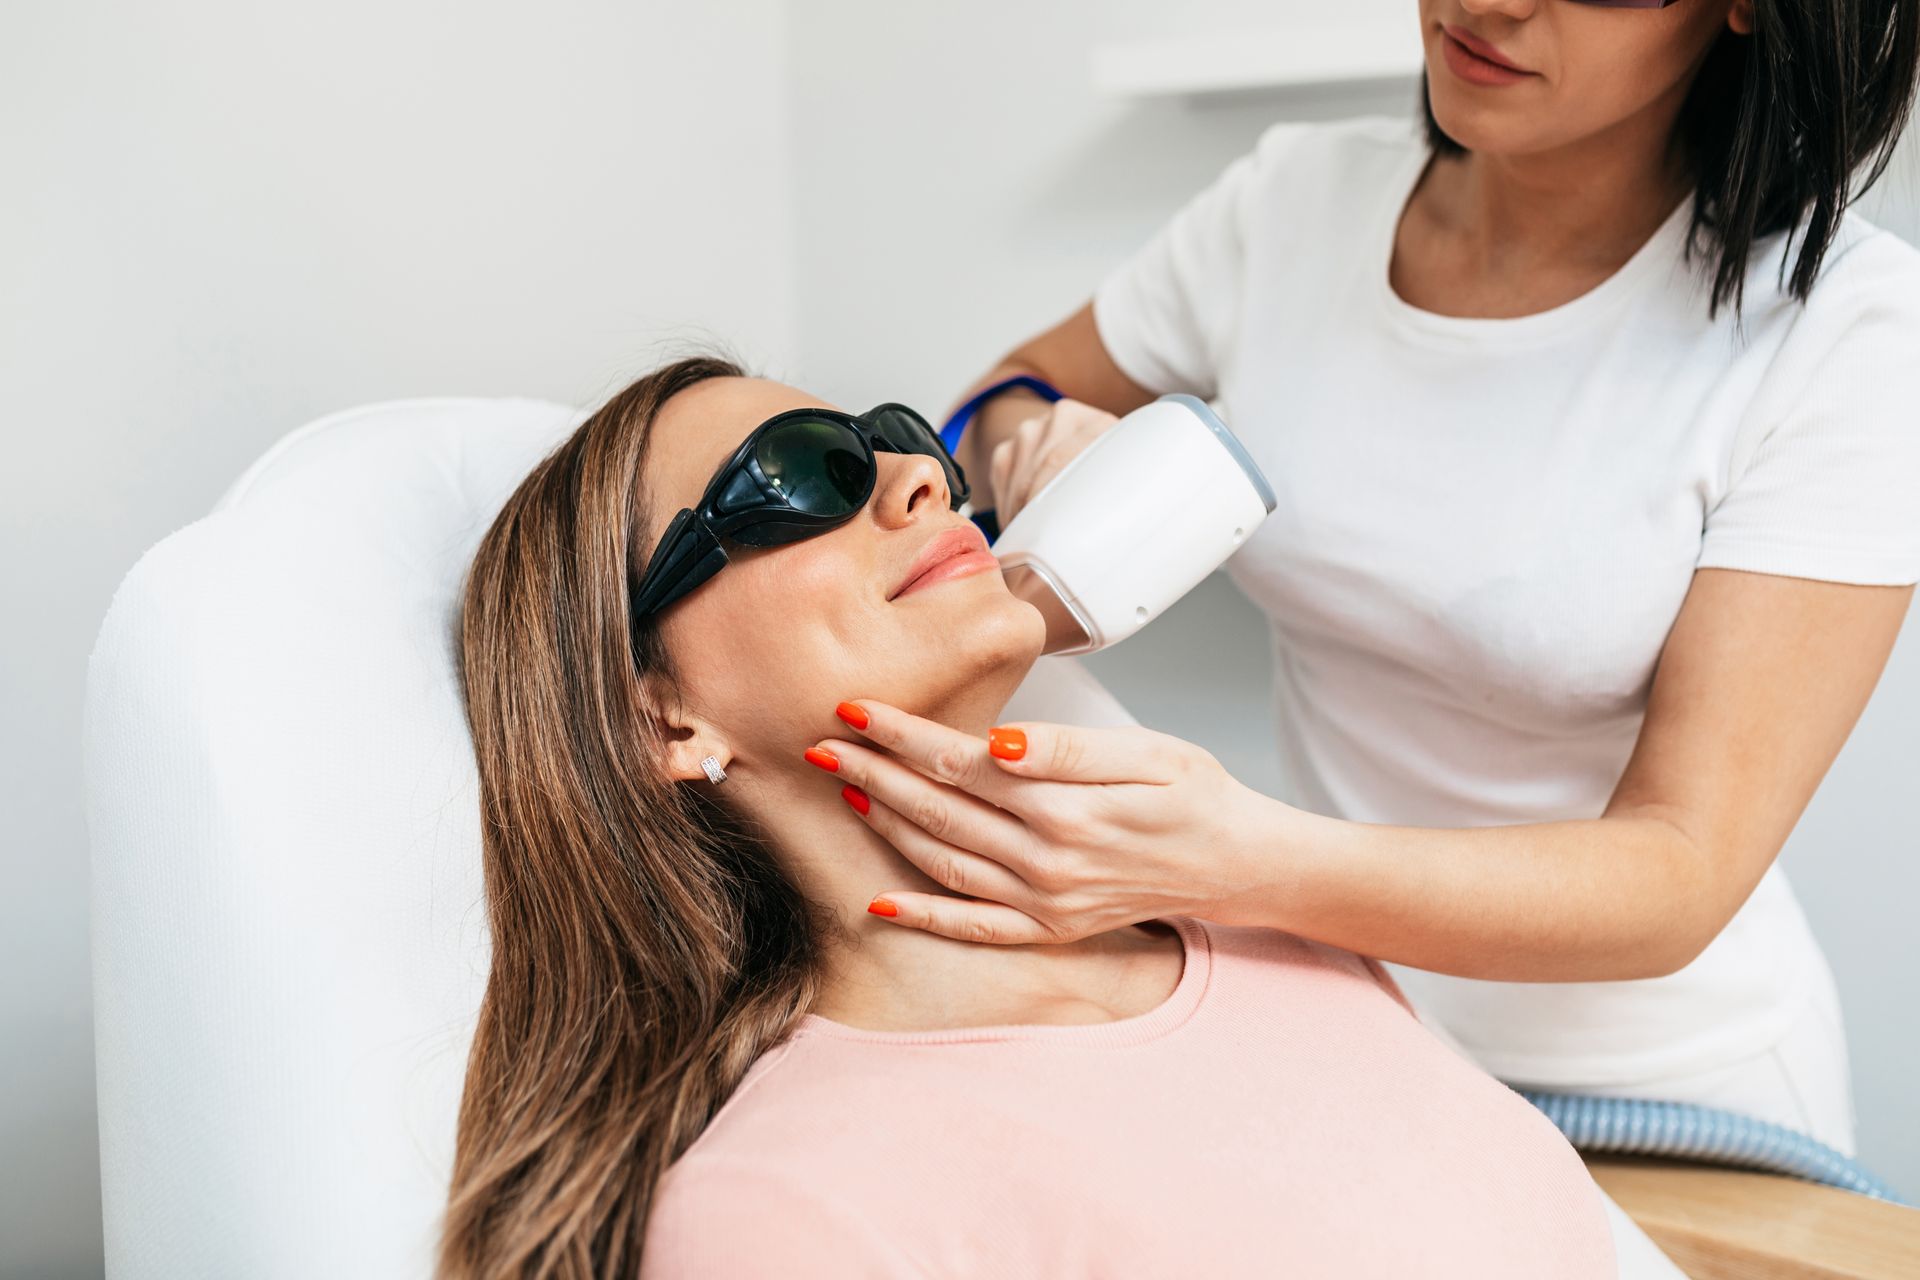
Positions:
{"x": 1681, "y": 944}
{"x": 1666, "y": 961}
{"x": 1699, "y": 909}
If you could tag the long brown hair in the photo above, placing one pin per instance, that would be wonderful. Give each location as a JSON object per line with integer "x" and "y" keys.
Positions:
{"x": 647, "y": 947}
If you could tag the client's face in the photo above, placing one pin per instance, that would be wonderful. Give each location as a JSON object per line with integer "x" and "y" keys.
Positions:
{"x": 769, "y": 645}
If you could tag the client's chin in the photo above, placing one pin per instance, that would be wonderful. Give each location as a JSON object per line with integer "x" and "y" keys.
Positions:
{"x": 985, "y": 641}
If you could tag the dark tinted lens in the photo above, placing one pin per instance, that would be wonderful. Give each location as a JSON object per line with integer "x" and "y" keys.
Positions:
{"x": 904, "y": 429}
{"x": 908, "y": 432}
{"x": 819, "y": 464}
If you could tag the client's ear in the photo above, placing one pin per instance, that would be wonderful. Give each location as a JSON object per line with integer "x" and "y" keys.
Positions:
{"x": 689, "y": 738}
{"x": 685, "y": 754}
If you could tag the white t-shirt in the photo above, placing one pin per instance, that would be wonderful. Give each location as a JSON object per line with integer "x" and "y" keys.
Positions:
{"x": 1486, "y": 527}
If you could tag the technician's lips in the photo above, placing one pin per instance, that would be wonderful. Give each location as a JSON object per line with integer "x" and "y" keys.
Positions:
{"x": 955, "y": 553}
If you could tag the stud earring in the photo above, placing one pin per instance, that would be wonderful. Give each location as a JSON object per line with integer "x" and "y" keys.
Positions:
{"x": 714, "y": 772}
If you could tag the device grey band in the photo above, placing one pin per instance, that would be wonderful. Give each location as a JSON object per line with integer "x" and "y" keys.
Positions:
{"x": 1227, "y": 438}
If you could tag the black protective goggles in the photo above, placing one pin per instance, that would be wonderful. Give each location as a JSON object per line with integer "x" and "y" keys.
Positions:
{"x": 797, "y": 474}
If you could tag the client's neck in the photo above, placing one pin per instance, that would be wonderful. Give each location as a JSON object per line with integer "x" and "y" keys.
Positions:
{"x": 888, "y": 976}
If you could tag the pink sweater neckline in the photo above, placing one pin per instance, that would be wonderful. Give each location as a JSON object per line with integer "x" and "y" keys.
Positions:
{"x": 1173, "y": 1012}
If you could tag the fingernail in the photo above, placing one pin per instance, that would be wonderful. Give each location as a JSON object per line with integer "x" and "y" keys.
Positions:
{"x": 851, "y": 714}
{"x": 824, "y": 758}
{"x": 881, "y": 907}
{"x": 855, "y": 797}
{"x": 1008, "y": 744}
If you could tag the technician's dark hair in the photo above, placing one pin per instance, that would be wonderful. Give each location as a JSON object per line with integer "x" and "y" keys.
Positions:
{"x": 1778, "y": 122}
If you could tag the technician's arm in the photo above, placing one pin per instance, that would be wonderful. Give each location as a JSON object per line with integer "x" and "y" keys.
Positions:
{"x": 1760, "y": 682}
{"x": 1069, "y": 357}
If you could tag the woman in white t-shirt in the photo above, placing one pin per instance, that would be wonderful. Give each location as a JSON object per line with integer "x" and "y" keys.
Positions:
{"x": 1590, "y": 548}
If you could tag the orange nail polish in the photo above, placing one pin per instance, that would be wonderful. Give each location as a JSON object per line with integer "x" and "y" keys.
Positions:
{"x": 856, "y": 797}
{"x": 881, "y": 907}
{"x": 1008, "y": 744}
{"x": 851, "y": 714}
{"x": 824, "y": 758}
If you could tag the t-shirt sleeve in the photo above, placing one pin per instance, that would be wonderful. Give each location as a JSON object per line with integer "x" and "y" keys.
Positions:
{"x": 1825, "y": 483}
{"x": 1168, "y": 312}
{"x": 721, "y": 1220}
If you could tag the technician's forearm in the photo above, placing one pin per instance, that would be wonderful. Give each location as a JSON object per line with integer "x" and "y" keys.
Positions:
{"x": 1578, "y": 901}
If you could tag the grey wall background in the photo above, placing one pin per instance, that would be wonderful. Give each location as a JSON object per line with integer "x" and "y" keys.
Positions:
{"x": 223, "y": 221}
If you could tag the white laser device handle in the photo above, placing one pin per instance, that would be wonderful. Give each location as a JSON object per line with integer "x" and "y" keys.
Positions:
{"x": 1133, "y": 523}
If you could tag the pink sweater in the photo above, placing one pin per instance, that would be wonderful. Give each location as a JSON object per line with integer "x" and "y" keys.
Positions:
{"x": 1283, "y": 1113}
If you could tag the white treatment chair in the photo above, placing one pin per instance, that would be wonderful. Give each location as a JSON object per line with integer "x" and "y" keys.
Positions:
{"x": 289, "y": 936}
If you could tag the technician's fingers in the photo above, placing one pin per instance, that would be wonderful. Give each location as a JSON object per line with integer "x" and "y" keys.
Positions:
{"x": 1017, "y": 489}
{"x": 960, "y": 870}
{"x": 1074, "y": 429}
{"x": 1063, "y": 435}
{"x": 923, "y": 764}
{"x": 959, "y": 918}
{"x": 1000, "y": 475}
{"x": 1085, "y": 754}
{"x": 943, "y": 811}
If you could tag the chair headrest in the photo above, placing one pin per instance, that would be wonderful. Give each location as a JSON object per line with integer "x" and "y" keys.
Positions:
{"x": 289, "y": 930}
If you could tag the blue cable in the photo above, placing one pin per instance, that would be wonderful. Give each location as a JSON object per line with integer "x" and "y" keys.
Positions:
{"x": 957, "y": 423}
{"x": 1644, "y": 1126}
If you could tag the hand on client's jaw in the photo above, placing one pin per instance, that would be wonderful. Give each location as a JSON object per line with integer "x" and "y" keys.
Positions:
{"x": 1050, "y": 833}
{"x": 880, "y": 976}
{"x": 834, "y": 857}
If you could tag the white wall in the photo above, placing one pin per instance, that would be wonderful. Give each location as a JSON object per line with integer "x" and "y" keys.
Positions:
{"x": 224, "y": 219}
{"x": 961, "y": 188}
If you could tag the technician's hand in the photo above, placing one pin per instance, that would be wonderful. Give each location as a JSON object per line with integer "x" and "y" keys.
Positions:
{"x": 1038, "y": 449}
{"x": 1049, "y": 832}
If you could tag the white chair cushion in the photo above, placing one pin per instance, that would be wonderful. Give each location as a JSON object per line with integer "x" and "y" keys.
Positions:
{"x": 289, "y": 932}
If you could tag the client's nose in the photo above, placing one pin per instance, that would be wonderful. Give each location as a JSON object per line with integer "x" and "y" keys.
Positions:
{"x": 907, "y": 488}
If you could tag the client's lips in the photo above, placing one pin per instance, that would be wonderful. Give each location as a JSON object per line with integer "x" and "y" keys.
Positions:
{"x": 950, "y": 554}
{"x": 1483, "y": 49}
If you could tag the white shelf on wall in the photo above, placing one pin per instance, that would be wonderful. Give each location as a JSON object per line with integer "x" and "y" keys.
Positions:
{"x": 1301, "y": 56}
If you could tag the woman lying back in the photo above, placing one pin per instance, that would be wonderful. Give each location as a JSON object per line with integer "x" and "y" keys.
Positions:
{"x": 700, "y": 1055}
